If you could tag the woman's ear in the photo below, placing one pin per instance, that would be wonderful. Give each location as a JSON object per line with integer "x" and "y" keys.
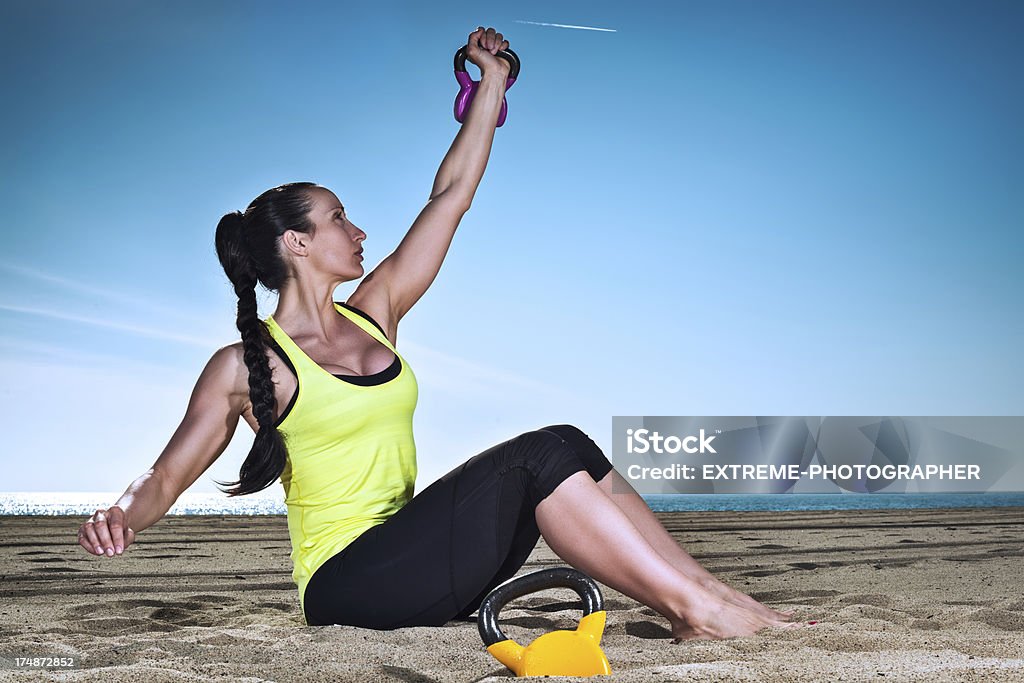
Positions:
{"x": 296, "y": 242}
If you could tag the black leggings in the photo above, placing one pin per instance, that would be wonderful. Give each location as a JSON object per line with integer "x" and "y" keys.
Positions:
{"x": 438, "y": 557}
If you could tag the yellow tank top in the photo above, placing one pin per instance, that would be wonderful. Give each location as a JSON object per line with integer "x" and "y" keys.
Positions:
{"x": 351, "y": 455}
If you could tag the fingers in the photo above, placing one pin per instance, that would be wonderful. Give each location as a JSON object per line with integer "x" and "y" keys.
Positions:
{"x": 116, "y": 526}
{"x": 87, "y": 539}
{"x": 488, "y": 39}
{"x": 105, "y": 533}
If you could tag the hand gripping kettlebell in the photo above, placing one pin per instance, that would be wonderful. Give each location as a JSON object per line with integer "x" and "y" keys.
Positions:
{"x": 559, "y": 653}
{"x": 467, "y": 86}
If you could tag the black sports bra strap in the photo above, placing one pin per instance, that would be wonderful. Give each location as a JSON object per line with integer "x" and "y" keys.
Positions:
{"x": 365, "y": 315}
{"x": 284, "y": 356}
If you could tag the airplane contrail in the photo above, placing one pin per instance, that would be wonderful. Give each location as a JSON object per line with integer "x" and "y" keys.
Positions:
{"x": 81, "y": 287}
{"x": 114, "y": 325}
{"x": 585, "y": 28}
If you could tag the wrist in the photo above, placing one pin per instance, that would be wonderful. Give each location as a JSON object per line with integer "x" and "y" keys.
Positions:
{"x": 495, "y": 76}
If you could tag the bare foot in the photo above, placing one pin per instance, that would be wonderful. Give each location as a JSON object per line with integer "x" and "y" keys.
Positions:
{"x": 744, "y": 600}
{"x": 740, "y": 599}
{"x": 723, "y": 620}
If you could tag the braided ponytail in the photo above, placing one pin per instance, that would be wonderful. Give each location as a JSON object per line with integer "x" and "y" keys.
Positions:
{"x": 247, "y": 249}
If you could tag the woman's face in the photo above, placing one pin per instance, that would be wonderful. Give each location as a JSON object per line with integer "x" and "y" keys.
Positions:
{"x": 336, "y": 245}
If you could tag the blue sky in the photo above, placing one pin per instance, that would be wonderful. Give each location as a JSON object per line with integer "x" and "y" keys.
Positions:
{"x": 730, "y": 208}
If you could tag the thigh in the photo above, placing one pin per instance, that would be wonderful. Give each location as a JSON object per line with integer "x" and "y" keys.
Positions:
{"x": 432, "y": 558}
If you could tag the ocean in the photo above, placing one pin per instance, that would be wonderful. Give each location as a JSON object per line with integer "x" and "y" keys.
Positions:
{"x": 85, "y": 503}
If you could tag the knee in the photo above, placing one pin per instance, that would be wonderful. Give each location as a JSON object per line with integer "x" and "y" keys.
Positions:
{"x": 586, "y": 449}
{"x": 537, "y": 444}
{"x": 566, "y": 431}
{"x": 532, "y": 447}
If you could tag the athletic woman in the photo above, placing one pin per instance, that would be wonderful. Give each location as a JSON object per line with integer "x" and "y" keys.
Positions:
{"x": 331, "y": 400}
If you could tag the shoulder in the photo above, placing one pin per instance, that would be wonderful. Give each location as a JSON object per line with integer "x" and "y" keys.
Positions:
{"x": 227, "y": 369}
{"x": 226, "y": 372}
{"x": 226, "y": 377}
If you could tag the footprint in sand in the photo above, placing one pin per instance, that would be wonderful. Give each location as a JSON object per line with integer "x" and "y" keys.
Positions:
{"x": 1003, "y": 620}
{"x": 926, "y": 624}
{"x": 128, "y": 616}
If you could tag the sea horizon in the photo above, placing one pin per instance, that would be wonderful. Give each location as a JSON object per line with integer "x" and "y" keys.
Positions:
{"x": 84, "y": 503}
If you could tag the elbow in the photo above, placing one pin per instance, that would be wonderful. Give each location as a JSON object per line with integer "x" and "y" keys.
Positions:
{"x": 465, "y": 204}
{"x": 459, "y": 199}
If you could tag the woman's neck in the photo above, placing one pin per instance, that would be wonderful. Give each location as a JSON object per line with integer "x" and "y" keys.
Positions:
{"x": 307, "y": 308}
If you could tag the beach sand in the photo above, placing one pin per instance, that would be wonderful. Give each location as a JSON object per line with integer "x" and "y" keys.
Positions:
{"x": 919, "y": 595}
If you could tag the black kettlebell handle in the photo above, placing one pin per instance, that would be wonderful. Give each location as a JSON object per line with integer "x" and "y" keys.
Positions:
{"x": 508, "y": 55}
{"x": 558, "y": 577}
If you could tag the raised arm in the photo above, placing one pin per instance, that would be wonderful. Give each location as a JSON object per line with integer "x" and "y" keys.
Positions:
{"x": 408, "y": 271}
{"x": 217, "y": 402}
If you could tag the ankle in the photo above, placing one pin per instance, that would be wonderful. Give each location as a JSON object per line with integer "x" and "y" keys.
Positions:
{"x": 695, "y": 607}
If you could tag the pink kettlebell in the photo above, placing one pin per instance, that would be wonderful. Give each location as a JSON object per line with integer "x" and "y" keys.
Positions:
{"x": 467, "y": 86}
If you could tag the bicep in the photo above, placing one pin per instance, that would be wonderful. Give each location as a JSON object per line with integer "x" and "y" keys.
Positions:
{"x": 210, "y": 421}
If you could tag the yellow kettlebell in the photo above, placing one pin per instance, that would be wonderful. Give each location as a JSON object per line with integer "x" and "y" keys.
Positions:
{"x": 559, "y": 653}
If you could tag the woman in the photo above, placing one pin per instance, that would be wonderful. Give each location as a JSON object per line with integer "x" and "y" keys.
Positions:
{"x": 331, "y": 401}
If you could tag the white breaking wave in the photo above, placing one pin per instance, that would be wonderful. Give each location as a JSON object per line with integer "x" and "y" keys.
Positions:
{"x": 57, "y": 503}
{"x": 272, "y": 503}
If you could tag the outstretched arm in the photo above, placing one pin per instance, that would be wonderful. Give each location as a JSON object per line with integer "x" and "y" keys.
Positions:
{"x": 408, "y": 271}
{"x": 218, "y": 400}
{"x": 464, "y": 165}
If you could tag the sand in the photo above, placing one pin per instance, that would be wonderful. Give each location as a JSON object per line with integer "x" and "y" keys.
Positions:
{"x": 923, "y": 595}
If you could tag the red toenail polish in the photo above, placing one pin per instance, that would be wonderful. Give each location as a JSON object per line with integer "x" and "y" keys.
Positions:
{"x": 812, "y": 622}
